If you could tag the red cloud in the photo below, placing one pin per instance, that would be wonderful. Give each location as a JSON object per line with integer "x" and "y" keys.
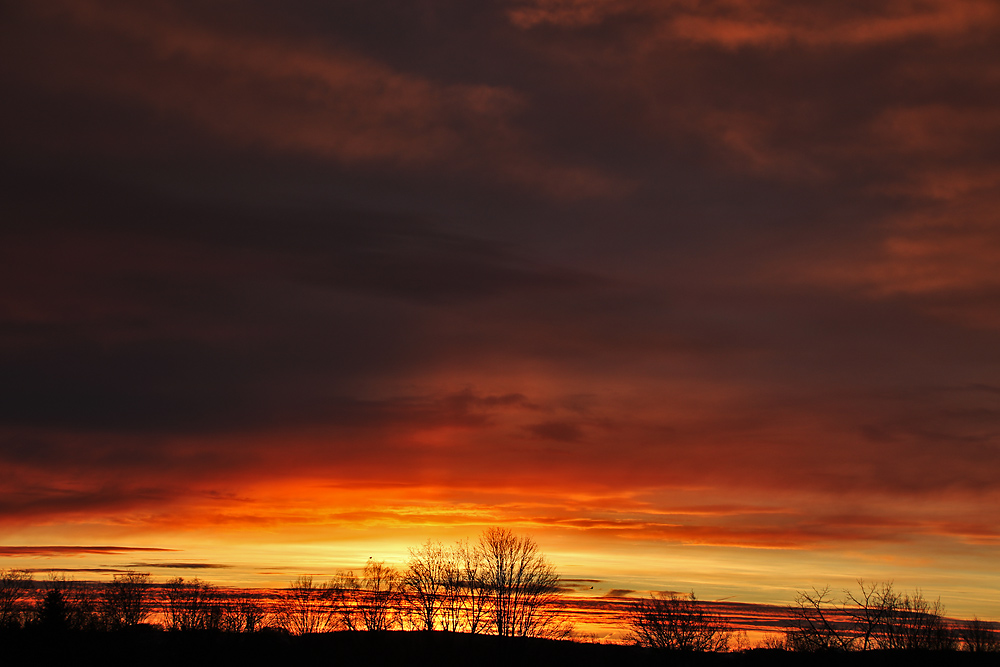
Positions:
{"x": 768, "y": 23}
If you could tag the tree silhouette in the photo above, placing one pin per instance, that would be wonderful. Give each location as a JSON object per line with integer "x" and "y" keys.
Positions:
{"x": 870, "y": 610}
{"x": 53, "y": 613}
{"x": 244, "y": 612}
{"x": 914, "y": 622}
{"x": 67, "y": 604}
{"x": 306, "y": 609}
{"x": 372, "y": 601}
{"x": 126, "y": 602}
{"x": 875, "y": 617}
{"x": 427, "y": 583}
{"x": 521, "y": 585}
{"x": 466, "y": 597}
{"x": 193, "y": 605}
{"x": 818, "y": 628}
{"x": 979, "y": 636}
{"x": 671, "y": 621}
{"x": 16, "y": 586}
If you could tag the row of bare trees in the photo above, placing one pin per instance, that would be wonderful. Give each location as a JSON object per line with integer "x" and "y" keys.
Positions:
{"x": 67, "y": 605}
{"x": 877, "y": 616}
{"x": 501, "y": 585}
{"x": 130, "y": 599}
{"x": 199, "y": 605}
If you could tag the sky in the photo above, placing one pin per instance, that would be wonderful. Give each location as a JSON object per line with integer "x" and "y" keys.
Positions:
{"x": 702, "y": 295}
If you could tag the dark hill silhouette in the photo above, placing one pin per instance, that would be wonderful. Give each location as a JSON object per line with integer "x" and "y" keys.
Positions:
{"x": 149, "y": 646}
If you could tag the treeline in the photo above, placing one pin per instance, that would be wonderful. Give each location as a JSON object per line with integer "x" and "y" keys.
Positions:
{"x": 500, "y": 585}
{"x": 128, "y": 601}
{"x": 875, "y": 617}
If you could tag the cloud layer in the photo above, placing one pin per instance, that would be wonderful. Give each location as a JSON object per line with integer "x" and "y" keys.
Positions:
{"x": 660, "y": 278}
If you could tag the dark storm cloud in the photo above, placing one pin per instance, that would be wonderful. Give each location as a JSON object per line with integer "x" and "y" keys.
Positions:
{"x": 137, "y": 311}
{"x": 758, "y": 237}
{"x": 339, "y": 247}
{"x": 244, "y": 85}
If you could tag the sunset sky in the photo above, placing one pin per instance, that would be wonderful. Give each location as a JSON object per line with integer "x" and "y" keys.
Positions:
{"x": 701, "y": 294}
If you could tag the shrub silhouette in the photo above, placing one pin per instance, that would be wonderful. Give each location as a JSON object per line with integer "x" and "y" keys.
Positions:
{"x": 372, "y": 601}
{"x": 876, "y": 617}
{"x": 979, "y": 636}
{"x": 244, "y": 612}
{"x": 193, "y": 605}
{"x": 125, "y": 602}
{"x": 681, "y": 623}
{"x": 305, "y": 608}
{"x": 16, "y": 588}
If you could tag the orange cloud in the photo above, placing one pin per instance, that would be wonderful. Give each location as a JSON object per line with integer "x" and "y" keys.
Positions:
{"x": 766, "y": 23}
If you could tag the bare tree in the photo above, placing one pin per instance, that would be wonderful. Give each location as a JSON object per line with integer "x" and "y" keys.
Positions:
{"x": 193, "y": 605}
{"x": 818, "y": 629}
{"x": 426, "y": 582}
{"x": 521, "y": 585}
{"x": 914, "y": 622}
{"x": 16, "y": 588}
{"x": 772, "y": 640}
{"x": 870, "y": 609}
{"x": 305, "y": 608}
{"x": 126, "y": 602}
{"x": 875, "y": 617}
{"x": 342, "y": 592}
{"x": 378, "y": 596}
{"x": 466, "y": 596}
{"x": 671, "y": 621}
{"x": 739, "y": 641}
{"x": 979, "y": 636}
{"x": 372, "y": 601}
{"x": 244, "y": 612}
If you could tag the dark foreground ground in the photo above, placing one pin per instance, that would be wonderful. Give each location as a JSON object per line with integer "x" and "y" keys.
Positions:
{"x": 155, "y": 648}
